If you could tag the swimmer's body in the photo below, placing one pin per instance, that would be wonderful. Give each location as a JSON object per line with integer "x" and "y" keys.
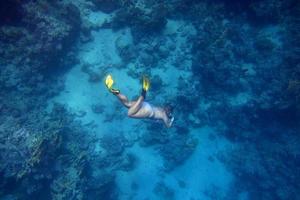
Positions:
{"x": 140, "y": 108}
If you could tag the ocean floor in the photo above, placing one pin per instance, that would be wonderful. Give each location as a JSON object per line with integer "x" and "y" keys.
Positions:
{"x": 228, "y": 73}
{"x": 80, "y": 95}
{"x": 201, "y": 173}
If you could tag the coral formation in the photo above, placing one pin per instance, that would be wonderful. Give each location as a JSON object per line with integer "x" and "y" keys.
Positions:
{"x": 233, "y": 66}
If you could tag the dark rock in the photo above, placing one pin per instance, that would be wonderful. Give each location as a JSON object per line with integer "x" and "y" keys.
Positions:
{"x": 10, "y": 12}
{"x": 93, "y": 76}
{"x": 98, "y": 108}
{"x": 134, "y": 186}
{"x": 107, "y": 6}
{"x": 141, "y": 20}
{"x": 181, "y": 184}
{"x": 129, "y": 162}
{"x": 156, "y": 83}
{"x": 113, "y": 144}
{"x": 163, "y": 191}
{"x": 264, "y": 44}
{"x": 177, "y": 150}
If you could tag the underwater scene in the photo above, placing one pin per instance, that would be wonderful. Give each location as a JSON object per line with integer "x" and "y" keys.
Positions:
{"x": 149, "y": 100}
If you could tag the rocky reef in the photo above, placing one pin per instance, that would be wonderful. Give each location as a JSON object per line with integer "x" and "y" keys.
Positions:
{"x": 38, "y": 158}
{"x": 238, "y": 70}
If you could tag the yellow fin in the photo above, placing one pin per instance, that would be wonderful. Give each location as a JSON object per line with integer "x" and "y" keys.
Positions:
{"x": 146, "y": 83}
{"x": 109, "y": 81}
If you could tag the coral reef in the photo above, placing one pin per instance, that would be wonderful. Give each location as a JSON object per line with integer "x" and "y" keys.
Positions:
{"x": 44, "y": 34}
{"x": 51, "y": 158}
{"x": 174, "y": 147}
{"x": 257, "y": 166}
{"x": 237, "y": 70}
{"x": 43, "y": 154}
{"x": 141, "y": 16}
{"x": 108, "y": 6}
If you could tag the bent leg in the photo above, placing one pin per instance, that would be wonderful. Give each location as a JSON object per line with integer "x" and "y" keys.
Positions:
{"x": 136, "y": 106}
{"x": 124, "y": 100}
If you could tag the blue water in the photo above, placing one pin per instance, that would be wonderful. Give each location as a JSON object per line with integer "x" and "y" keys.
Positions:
{"x": 229, "y": 69}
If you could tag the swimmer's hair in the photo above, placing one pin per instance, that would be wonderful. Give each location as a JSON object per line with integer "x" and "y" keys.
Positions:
{"x": 169, "y": 108}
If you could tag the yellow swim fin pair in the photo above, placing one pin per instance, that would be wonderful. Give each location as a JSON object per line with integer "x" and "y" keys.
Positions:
{"x": 109, "y": 83}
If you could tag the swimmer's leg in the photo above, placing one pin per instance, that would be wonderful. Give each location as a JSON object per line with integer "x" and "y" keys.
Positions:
{"x": 136, "y": 106}
{"x": 124, "y": 100}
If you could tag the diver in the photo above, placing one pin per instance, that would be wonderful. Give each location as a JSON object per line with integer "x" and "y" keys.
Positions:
{"x": 140, "y": 108}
